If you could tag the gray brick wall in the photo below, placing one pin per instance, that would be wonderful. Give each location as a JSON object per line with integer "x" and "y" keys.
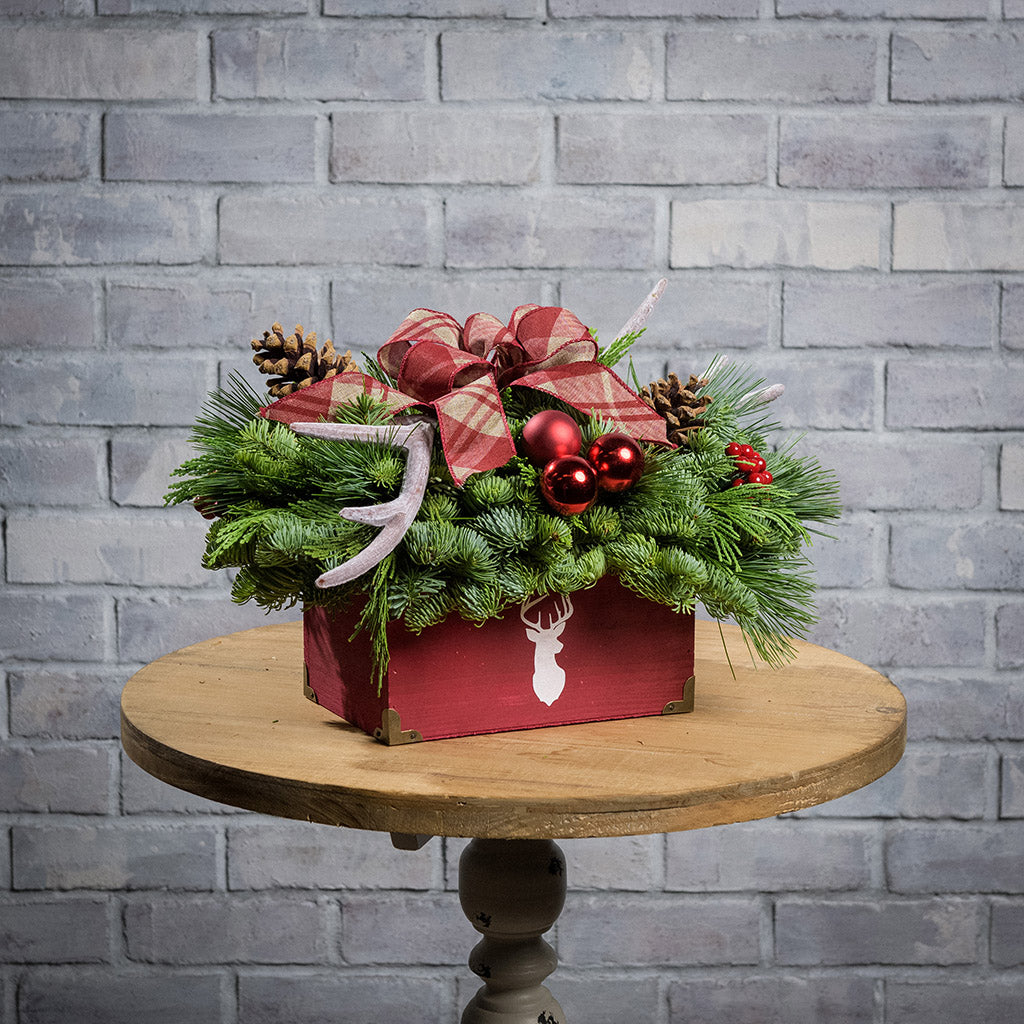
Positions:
{"x": 832, "y": 187}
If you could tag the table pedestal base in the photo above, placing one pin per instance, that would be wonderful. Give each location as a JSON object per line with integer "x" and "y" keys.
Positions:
{"x": 512, "y": 891}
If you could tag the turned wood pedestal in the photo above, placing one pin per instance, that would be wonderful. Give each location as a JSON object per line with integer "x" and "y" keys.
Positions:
{"x": 227, "y": 719}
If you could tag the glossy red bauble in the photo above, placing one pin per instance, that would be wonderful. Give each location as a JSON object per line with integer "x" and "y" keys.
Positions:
{"x": 550, "y": 435}
{"x": 618, "y": 461}
{"x": 569, "y": 485}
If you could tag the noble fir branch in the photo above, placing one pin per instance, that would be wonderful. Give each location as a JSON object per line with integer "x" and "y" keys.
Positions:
{"x": 613, "y": 353}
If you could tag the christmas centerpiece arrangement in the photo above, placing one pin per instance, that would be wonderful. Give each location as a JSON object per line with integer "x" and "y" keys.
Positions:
{"x": 488, "y": 528}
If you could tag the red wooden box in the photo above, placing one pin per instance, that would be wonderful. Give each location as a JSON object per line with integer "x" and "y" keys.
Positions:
{"x": 598, "y": 654}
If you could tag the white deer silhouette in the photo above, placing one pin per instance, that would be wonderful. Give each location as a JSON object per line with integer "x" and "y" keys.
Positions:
{"x": 548, "y": 676}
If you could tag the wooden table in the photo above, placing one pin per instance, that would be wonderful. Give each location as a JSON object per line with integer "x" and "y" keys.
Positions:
{"x": 227, "y": 719}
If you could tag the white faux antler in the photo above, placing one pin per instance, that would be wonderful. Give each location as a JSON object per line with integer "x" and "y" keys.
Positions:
{"x": 639, "y": 318}
{"x": 394, "y": 516}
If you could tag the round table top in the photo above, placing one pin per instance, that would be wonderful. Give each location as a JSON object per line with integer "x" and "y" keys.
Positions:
{"x": 227, "y": 719}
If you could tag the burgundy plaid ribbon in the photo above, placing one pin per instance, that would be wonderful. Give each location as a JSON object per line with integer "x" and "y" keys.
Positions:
{"x": 459, "y": 373}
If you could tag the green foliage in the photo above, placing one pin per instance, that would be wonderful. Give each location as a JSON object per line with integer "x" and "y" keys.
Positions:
{"x": 681, "y": 536}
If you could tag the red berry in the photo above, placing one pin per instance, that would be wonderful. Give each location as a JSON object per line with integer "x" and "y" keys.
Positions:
{"x": 759, "y": 464}
{"x": 739, "y": 481}
{"x": 757, "y": 478}
{"x": 747, "y": 461}
{"x": 768, "y": 478}
{"x": 734, "y": 449}
{"x": 745, "y": 449}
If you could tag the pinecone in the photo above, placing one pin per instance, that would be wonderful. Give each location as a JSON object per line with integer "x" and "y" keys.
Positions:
{"x": 296, "y": 359}
{"x": 679, "y": 404}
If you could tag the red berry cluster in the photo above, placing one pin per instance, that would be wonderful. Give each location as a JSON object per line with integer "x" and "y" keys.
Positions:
{"x": 751, "y": 467}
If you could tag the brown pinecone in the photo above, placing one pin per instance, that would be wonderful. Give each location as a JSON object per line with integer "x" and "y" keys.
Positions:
{"x": 296, "y": 360}
{"x": 679, "y": 404}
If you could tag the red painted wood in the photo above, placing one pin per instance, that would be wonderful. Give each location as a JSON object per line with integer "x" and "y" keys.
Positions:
{"x": 622, "y": 657}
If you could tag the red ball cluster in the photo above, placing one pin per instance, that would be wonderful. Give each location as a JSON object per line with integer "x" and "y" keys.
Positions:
{"x": 751, "y": 467}
{"x": 551, "y": 440}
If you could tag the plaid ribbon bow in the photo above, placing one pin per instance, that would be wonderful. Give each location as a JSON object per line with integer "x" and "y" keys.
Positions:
{"x": 459, "y": 373}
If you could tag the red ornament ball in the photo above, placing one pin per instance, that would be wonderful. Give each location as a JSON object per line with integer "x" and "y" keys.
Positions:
{"x": 550, "y": 435}
{"x": 618, "y": 461}
{"x": 569, "y": 484}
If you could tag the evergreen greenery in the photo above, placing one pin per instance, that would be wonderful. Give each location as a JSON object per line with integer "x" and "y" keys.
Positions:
{"x": 683, "y": 534}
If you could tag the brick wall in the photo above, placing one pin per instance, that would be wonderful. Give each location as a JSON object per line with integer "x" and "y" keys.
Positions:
{"x": 832, "y": 187}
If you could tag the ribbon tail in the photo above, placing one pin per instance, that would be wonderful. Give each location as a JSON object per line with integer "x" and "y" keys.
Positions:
{"x": 474, "y": 433}
{"x": 320, "y": 400}
{"x": 596, "y": 390}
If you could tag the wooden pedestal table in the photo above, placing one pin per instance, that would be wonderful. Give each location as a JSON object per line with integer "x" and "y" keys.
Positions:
{"x": 227, "y": 719}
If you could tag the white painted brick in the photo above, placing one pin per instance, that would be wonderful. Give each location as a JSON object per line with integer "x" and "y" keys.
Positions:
{"x": 698, "y": 313}
{"x": 825, "y": 313}
{"x": 54, "y": 779}
{"x": 751, "y": 233}
{"x": 873, "y": 931}
{"x": 747, "y": 999}
{"x": 434, "y": 929}
{"x": 956, "y": 858}
{"x": 1013, "y": 316}
{"x": 987, "y": 395}
{"x": 148, "y": 627}
{"x": 294, "y": 63}
{"x": 141, "y": 467}
{"x": 967, "y": 1002}
{"x": 957, "y": 236}
{"x": 39, "y": 626}
{"x": 221, "y": 314}
{"x": 49, "y": 547}
{"x": 1012, "y": 788}
{"x": 931, "y": 9}
{"x": 51, "y": 470}
{"x": 114, "y": 856}
{"x": 1013, "y": 162}
{"x": 662, "y": 149}
{"x": 550, "y": 65}
{"x": 226, "y": 929}
{"x": 961, "y": 708}
{"x": 67, "y": 704}
{"x": 790, "y": 66}
{"x": 594, "y": 233}
{"x": 46, "y": 313}
{"x": 44, "y": 147}
{"x": 40, "y": 228}
{"x": 1010, "y": 636}
{"x": 930, "y": 556}
{"x": 201, "y": 7}
{"x": 651, "y": 930}
{"x": 209, "y": 147}
{"x": 120, "y": 997}
{"x": 40, "y": 62}
{"x": 436, "y": 8}
{"x": 769, "y": 855}
{"x": 344, "y": 996}
{"x": 586, "y": 997}
{"x": 137, "y": 389}
{"x": 1007, "y": 934}
{"x": 902, "y": 630}
{"x": 437, "y": 146}
{"x": 856, "y": 151}
{"x": 957, "y": 64}
{"x": 653, "y": 9}
{"x": 322, "y": 229}
{"x": 849, "y": 560}
{"x": 928, "y": 782}
{"x": 837, "y": 393}
{"x": 55, "y": 931}
{"x": 276, "y": 855}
